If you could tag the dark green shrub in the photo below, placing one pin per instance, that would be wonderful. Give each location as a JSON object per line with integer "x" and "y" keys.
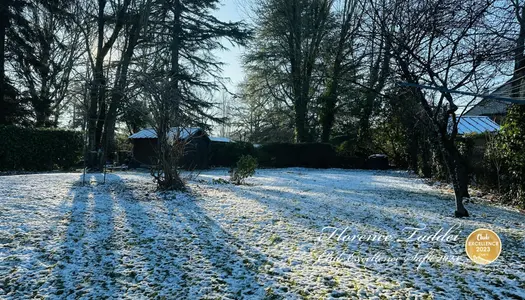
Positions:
{"x": 227, "y": 154}
{"x": 245, "y": 168}
{"x": 32, "y": 149}
{"x": 512, "y": 144}
{"x": 492, "y": 168}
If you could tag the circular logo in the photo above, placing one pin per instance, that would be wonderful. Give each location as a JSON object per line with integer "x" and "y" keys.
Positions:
{"x": 483, "y": 246}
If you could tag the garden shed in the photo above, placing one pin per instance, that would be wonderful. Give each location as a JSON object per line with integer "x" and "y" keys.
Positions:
{"x": 196, "y": 150}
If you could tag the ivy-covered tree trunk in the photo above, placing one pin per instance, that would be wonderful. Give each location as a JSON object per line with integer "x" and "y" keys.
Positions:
{"x": 301, "y": 125}
{"x": 121, "y": 81}
{"x": 97, "y": 97}
{"x": 327, "y": 117}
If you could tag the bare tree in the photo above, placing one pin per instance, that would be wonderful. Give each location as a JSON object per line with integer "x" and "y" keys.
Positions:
{"x": 138, "y": 19}
{"x": 377, "y": 58}
{"x": 444, "y": 44}
{"x": 258, "y": 116}
{"x": 110, "y": 18}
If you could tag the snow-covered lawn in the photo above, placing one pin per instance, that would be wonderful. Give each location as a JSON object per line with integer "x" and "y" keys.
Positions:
{"x": 269, "y": 239}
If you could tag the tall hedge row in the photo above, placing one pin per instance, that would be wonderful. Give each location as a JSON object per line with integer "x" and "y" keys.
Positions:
{"x": 32, "y": 149}
{"x": 310, "y": 155}
{"x": 227, "y": 154}
{"x": 283, "y": 155}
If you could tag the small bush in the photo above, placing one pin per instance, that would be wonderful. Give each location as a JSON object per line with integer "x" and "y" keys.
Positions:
{"x": 245, "y": 168}
{"x": 512, "y": 144}
{"x": 219, "y": 181}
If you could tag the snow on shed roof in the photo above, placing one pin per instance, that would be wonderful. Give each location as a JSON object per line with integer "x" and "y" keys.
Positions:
{"x": 150, "y": 133}
{"x": 476, "y": 124}
{"x": 221, "y": 139}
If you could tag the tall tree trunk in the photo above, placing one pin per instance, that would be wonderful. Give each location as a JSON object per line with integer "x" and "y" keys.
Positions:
{"x": 329, "y": 100}
{"x": 327, "y": 115}
{"x": 97, "y": 108}
{"x": 96, "y": 93}
{"x": 364, "y": 118}
{"x": 413, "y": 150}
{"x": 4, "y": 23}
{"x": 456, "y": 171}
{"x": 96, "y": 89}
{"x": 301, "y": 131}
{"x": 44, "y": 97}
{"x": 108, "y": 137}
{"x": 175, "y": 53}
{"x": 117, "y": 94}
{"x": 426, "y": 168}
{"x": 345, "y": 43}
{"x": 169, "y": 152}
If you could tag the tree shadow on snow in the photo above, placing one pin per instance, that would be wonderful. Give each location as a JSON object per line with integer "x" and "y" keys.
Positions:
{"x": 88, "y": 253}
{"x": 125, "y": 239}
{"x": 308, "y": 207}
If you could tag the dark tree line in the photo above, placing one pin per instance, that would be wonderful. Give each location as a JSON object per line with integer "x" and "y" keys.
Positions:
{"x": 38, "y": 53}
{"x": 98, "y": 63}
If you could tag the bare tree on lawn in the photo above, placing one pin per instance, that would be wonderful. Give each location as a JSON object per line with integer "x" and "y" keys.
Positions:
{"x": 444, "y": 44}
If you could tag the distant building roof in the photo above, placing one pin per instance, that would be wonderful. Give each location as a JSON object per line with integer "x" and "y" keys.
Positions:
{"x": 150, "y": 133}
{"x": 491, "y": 106}
{"x": 476, "y": 124}
{"x": 221, "y": 139}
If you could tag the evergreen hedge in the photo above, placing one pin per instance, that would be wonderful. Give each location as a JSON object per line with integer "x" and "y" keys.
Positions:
{"x": 309, "y": 155}
{"x": 227, "y": 154}
{"x": 35, "y": 149}
{"x": 284, "y": 155}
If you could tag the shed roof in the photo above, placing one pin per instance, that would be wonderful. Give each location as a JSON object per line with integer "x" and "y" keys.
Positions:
{"x": 476, "y": 124}
{"x": 150, "y": 133}
{"x": 221, "y": 139}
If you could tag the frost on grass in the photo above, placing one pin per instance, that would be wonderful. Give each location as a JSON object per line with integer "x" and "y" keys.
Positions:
{"x": 124, "y": 240}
